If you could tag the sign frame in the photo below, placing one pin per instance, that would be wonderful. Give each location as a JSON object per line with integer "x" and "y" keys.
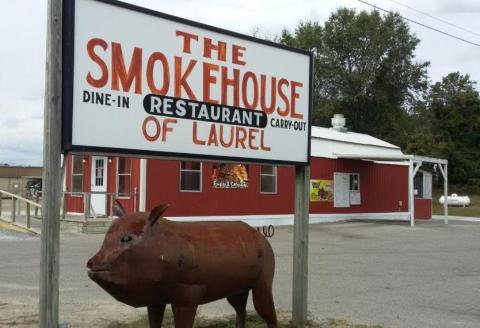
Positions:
{"x": 68, "y": 86}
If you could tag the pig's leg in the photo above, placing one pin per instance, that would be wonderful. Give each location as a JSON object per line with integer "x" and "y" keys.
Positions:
{"x": 263, "y": 302}
{"x": 155, "y": 315}
{"x": 184, "y": 315}
{"x": 239, "y": 303}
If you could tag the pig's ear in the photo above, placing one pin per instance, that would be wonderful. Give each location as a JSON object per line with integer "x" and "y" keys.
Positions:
{"x": 156, "y": 213}
{"x": 118, "y": 209}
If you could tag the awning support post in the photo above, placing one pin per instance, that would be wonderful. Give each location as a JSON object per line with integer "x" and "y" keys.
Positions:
{"x": 411, "y": 207}
{"x": 444, "y": 171}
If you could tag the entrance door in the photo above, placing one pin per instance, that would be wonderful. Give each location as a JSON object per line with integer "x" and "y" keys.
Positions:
{"x": 99, "y": 185}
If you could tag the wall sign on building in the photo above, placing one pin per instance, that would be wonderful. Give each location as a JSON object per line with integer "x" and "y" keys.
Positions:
{"x": 143, "y": 82}
{"x": 321, "y": 190}
{"x": 230, "y": 176}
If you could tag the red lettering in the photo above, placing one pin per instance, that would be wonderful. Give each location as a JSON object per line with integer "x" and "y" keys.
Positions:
{"x": 209, "y": 79}
{"x": 262, "y": 141}
{"x": 119, "y": 72}
{"x": 158, "y": 56}
{"x": 212, "y": 138}
{"x": 220, "y": 48}
{"x": 154, "y": 137}
{"x": 102, "y": 81}
{"x": 273, "y": 95}
{"x": 282, "y": 95}
{"x": 237, "y": 53}
{"x": 230, "y": 141}
{"x": 187, "y": 37}
{"x": 251, "y": 138}
{"x": 241, "y": 136}
{"x": 294, "y": 97}
{"x": 181, "y": 79}
{"x": 250, "y": 76}
{"x": 194, "y": 135}
{"x": 226, "y": 82}
{"x": 166, "y": 128}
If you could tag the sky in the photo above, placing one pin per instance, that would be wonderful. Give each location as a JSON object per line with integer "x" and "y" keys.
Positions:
{"x": 23, "y": 38}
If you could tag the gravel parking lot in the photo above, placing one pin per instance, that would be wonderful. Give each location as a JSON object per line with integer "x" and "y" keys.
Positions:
{"x": 366, "y": 272}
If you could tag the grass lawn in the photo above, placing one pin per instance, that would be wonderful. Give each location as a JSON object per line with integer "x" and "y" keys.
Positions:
{"x": 472, "y": 210}
{"x": 253, "y": 321}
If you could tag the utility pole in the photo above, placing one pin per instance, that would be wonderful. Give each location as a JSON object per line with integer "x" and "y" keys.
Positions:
{"x": 300, "y": 246}
{"x": 52, "y": 179}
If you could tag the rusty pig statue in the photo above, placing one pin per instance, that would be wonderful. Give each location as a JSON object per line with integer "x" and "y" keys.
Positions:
{"x": 146, "y": 260}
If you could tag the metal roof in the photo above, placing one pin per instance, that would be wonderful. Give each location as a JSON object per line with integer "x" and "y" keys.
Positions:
{"x": 331, "y": 143}
{"x": 351, "y": 137}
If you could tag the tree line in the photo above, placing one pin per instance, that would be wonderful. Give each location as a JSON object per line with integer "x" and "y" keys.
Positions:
{"x": 365, "y": 68}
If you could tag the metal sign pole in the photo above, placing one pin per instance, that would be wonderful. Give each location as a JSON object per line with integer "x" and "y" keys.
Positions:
{"x": 300, "y": 246}
{"x": 52, "y": 179}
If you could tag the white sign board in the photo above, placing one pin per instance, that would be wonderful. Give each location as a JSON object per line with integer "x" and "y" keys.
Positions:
{"x": 142, "y": 82}
{"x": 341, "y": 189}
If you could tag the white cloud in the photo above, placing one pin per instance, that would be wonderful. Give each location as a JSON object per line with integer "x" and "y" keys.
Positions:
{"x": 459, "y": 6}
{"x": 21, "y": 123}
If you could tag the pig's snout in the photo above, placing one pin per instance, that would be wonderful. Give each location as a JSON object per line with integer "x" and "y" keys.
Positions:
{"x": 90, "y": 264}
{"x": 96, "y": 263}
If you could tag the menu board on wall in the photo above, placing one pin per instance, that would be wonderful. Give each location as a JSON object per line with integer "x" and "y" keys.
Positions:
{"x": 341, "y": 188}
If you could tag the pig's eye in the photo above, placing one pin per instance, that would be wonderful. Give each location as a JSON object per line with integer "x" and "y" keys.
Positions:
{"x": 126, "y": 239}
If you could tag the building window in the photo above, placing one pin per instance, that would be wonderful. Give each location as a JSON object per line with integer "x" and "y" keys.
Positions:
{"x": 268, "y": 179}
{"x": 124, "y": 177}
{"x": 190, "y": 176}
{"x": 77, "y": 173}
{"x": 99, "y": 170}
{"x": 354, "y": 182}
{"x": 418, "y": 185}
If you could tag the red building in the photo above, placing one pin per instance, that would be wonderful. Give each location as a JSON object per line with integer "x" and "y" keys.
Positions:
{"x": 353, "y": 176}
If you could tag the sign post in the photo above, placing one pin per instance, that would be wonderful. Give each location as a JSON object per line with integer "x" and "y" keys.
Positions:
{"x": 52, "y": 178}
{"x": 300, "y": 246}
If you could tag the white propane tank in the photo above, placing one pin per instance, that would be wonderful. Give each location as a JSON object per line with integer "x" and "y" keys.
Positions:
{"x": 455, "y": 200}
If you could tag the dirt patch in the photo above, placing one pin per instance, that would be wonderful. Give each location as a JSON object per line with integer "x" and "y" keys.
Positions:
{"x": 253, "y": 321}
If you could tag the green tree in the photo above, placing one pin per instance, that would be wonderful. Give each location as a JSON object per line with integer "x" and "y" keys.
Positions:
{"x": 448, "y": 126}
{"x": 365, "y": 68}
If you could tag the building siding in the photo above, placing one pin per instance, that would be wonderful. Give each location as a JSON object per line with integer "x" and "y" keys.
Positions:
{"x": 75, "y": 203}
{"x": 382, "y": 188}
{"x": 423, "y": 208}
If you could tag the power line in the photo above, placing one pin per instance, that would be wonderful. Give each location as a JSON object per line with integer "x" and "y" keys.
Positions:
{"x": 436, "y": 18}
{"x": 421, "y": 24}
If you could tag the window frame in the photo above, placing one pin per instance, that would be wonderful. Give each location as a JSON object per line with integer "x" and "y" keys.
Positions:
{"x": 200, "y": 171}
{"x": 274, "y": 175}
{"x": 123, "y": 174}
{"x": 73, "y": 174}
